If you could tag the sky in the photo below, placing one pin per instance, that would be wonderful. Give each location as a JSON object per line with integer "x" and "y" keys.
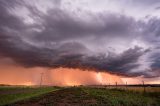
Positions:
{"x": 116, "y": 37}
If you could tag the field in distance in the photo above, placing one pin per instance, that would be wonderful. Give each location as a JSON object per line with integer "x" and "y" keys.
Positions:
{"x": 80, "y": 96}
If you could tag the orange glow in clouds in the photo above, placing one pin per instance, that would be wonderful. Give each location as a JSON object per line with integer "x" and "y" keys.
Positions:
{"x": 65, "y": 76}
{"x": 13, "y": 74}
{"x": 58, "y": 76}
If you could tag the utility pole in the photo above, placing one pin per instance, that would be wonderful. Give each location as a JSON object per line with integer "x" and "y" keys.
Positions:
{"x": 41, "y": 80}
{"x": 144, "y": 89}
{"x": 116, "y": 84}
{"x": 126, "y": 85}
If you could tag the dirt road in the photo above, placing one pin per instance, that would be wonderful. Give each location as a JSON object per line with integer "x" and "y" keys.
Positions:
{"x": 64, "y": 97}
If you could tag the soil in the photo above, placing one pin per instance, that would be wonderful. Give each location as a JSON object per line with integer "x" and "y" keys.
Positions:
{"x": 64, "y": 97}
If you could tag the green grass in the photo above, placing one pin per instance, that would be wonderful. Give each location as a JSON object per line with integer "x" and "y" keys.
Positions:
{"x": 119, "y": 97}
{"x": 141, "y": 89}
{"x": 13, "y": 94}
{"x": 85, "y": 96}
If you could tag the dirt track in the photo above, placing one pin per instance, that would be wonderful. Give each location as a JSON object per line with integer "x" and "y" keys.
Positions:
{"x": 64, "y": 97}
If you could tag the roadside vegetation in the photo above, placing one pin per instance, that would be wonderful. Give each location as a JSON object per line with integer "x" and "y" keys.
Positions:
{"x": 9, "y": 94}
{"x": 78, "y": 96}
{"x": 122, "y": 97}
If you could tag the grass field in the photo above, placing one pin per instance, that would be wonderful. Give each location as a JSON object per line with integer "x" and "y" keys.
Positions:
{"x": 78, "y": 96}
{"x": 120, "y": 97}
{"x": 9, "y": 94}
{"x": 135, "y": 88}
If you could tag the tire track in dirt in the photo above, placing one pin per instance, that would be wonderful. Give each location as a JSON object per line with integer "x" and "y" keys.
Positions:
{"x": 64, "y": 97}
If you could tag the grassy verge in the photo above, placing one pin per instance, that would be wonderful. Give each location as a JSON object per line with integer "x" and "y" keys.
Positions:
{"x": 118, "y": 97}
{"x": 21, "y": 93}
{"x": 83, "y": 96}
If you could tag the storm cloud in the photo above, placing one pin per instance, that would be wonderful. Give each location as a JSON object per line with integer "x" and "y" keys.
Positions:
{"x": 48, "y": 34}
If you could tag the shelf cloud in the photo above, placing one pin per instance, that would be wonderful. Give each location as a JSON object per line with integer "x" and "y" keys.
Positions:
{"x": 58, "y": 33}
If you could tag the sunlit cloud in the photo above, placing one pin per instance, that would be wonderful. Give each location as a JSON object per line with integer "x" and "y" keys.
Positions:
{"x": 83, "y": 37}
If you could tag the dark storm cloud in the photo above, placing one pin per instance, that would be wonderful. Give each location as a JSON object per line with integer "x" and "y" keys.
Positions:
{"x": 70, "y": 55}
{"x": 55, "y": 44}
{"x": 143, "y": 3}
{"x": 123, "y": 62}
{"x": 153, "y": 27}
{"x": 148, "y": 2}
{"x": 156, "y": 58}
{"x": 31, "y": 56}
{"x": 8, "y": 21}
{"x": 60, "y": 24}
{"x": 156, "y": 63}
{"x": 157, "y": 8}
